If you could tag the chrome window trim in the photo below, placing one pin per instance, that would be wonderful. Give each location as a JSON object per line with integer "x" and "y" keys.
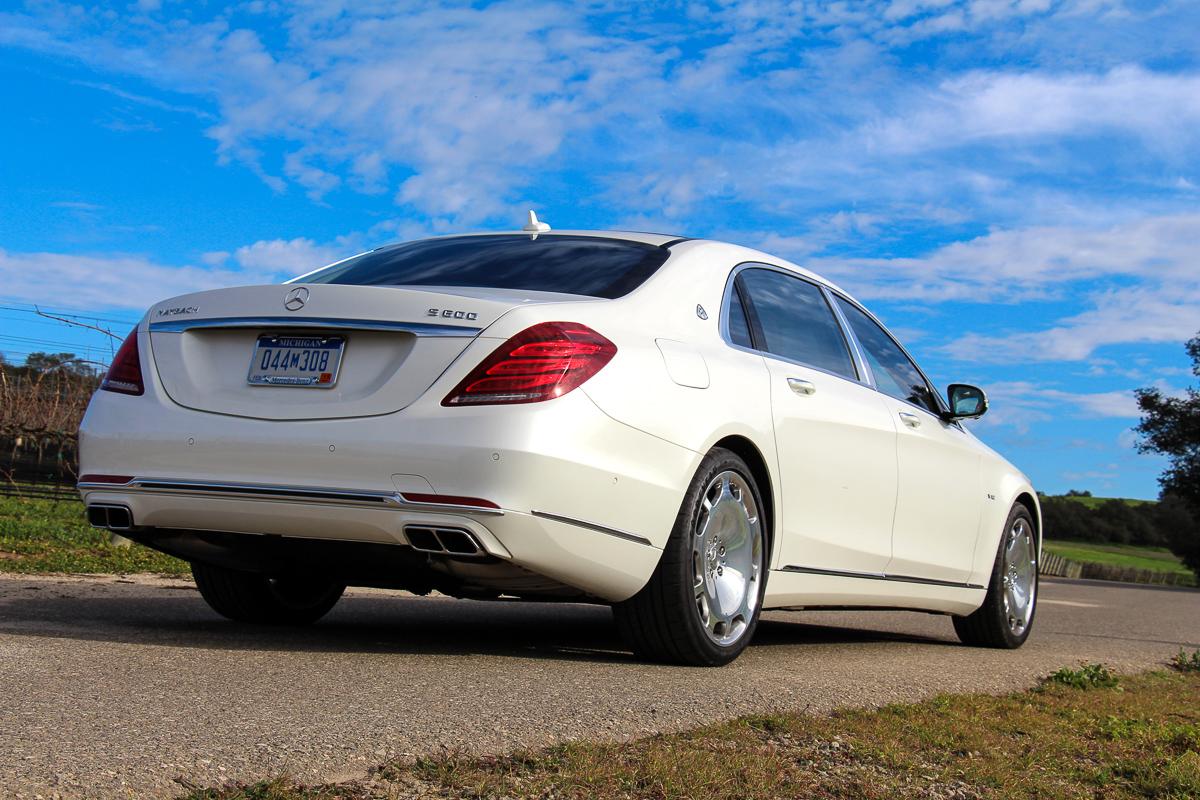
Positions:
{"x": 723, "y": 324}
{"x": 857, "y": 353}
{"x": 309, "y": 323}
{"x": 266, "y": 491}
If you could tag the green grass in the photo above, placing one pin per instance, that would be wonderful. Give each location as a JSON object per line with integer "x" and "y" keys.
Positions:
{"x": 1186, "y": 662}
{"x": 53, "y": 536}
{"x": 1137, "y": 739}
{"x": 1088, "y": 676}
{"x": 1155, "y": 558}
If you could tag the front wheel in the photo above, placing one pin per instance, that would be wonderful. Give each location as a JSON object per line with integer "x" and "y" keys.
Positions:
{"x": 701, "y": 606}
{"x": 1006, "y": 616}
{"x": 256, "y": 598}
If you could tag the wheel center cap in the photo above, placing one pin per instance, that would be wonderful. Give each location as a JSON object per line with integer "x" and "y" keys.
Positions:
{"x": 713, "y": 557}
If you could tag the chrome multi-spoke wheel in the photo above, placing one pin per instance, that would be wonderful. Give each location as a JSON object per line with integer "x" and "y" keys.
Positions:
{"x": 701, "y": 606}
{"x": 1018, "y": 574}
{"x": 1006, "y": 615}
{"x": 727, "y": 558}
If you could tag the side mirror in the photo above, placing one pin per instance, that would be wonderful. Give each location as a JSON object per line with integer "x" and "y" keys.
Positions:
{"x": 966, "y": 401}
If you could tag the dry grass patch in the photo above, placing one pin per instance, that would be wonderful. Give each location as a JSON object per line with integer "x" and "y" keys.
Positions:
{"x": 1132, "y": 738}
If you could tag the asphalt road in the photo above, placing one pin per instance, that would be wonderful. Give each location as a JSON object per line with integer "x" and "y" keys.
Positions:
{"x": 112, "y": 688}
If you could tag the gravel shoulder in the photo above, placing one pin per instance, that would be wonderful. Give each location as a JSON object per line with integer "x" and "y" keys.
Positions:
{"x": 118, "y": 685}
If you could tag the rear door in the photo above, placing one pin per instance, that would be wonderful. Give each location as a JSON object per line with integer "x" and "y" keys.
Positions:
{"x": 834, "y": 434}
{"x": 940, "y": 494}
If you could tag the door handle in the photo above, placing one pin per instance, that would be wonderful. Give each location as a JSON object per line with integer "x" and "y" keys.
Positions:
{"x": 802, "y": 386}
{"x": 911, "y": 420}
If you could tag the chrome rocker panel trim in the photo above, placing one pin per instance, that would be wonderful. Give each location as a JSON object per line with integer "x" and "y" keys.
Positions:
{"x": 880, "y": 576}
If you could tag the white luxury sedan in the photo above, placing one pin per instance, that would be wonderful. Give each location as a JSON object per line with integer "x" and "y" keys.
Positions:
{"x": 687, "y": 430}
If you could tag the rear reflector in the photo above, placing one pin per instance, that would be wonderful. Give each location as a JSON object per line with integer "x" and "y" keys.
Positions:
{"x": 125, "y": 373}
{"x": 114, "y": 479}
{"x": 448, "y": 500}
{"x": 539, "y": 363}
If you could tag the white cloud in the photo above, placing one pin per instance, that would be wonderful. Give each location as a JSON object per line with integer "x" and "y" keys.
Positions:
{"x": 1169, "y": 315}
{"x": 1136, "y": 282}
{"x": 289, "y": 257}
{"x": 470, "y": 101}
{"x": 1006, "y": 106}
{"x": 1021, "y": 404}
{"x": 1023, "y": 263}
{"x": 454, "y": 111}
{"x": 111, "y": 281}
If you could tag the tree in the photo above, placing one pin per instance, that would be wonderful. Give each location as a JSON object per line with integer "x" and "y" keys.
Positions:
{"x": 1171, "y": 426}
{"x": 41, "y": 363}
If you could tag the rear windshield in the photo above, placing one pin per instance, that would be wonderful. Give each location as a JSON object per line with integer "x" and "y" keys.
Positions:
{"x": 584, "y": 265}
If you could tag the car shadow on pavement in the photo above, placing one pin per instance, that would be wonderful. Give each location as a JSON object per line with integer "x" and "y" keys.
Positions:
{"x": 369, "y": 623}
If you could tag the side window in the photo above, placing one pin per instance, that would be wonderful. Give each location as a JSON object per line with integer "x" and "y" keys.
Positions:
{"x": 796, "y": 322}
{"x": 739, "y": 326}
{"x": 895, "y": 373}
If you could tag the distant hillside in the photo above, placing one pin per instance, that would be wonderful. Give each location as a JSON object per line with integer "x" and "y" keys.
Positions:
{"x": 1114, "y": 520}
{"x": 1096, "y": 502}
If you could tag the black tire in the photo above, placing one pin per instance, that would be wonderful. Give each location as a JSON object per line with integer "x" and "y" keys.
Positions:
{"x": 661, "y": 622}
{"x": 989, "y": 625}
{"x": 262, "y": 600}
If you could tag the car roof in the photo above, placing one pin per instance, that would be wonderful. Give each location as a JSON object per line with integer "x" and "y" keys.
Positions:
{"x": 658, "y": 239}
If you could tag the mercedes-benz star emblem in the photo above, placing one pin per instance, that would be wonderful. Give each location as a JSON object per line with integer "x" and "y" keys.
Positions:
{"x": 296, "y": 299}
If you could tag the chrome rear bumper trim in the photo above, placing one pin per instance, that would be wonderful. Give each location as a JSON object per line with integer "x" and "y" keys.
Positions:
{"x": 308, "y": 323}
{"x": 591, "y": 526}
{"x": 260, "y": 491}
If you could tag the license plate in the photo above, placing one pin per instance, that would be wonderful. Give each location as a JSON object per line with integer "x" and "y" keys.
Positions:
{"x": 307, "y": 361}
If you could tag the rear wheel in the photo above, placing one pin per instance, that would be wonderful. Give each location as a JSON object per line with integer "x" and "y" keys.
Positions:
{"x": 702, "y": 604}
{"x": 252, "y": 597}
{"x": 1006, "y": 616}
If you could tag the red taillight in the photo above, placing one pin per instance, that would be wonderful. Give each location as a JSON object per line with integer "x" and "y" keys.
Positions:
{"x": 125, "y": 373}
{"x": 539, "y": 363}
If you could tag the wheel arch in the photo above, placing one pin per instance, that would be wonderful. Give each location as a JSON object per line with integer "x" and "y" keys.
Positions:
{"x": 748, "y": 451}
{"x": 1029, "y": 500}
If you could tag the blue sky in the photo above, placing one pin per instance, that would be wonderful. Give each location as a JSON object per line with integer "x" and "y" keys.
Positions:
{"x": 1013, "y": 185}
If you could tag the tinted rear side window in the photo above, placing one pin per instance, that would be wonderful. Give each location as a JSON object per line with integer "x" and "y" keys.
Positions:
{"x": 583, "y": 265}
{"x": 796, "y": 321}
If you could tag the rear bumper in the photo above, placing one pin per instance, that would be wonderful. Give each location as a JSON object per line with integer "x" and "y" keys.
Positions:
{"x": 582, "y": 499}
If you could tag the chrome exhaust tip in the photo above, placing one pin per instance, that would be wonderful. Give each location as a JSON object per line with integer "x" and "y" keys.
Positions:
{"x": 444, "y": 541}
{"x": 113, "y": 518}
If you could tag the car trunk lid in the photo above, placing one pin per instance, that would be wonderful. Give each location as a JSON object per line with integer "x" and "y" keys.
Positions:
{"x": 395, "y": 343}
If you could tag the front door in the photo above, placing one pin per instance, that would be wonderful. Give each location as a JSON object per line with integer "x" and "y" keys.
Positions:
{"x": 940, "y": 492}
